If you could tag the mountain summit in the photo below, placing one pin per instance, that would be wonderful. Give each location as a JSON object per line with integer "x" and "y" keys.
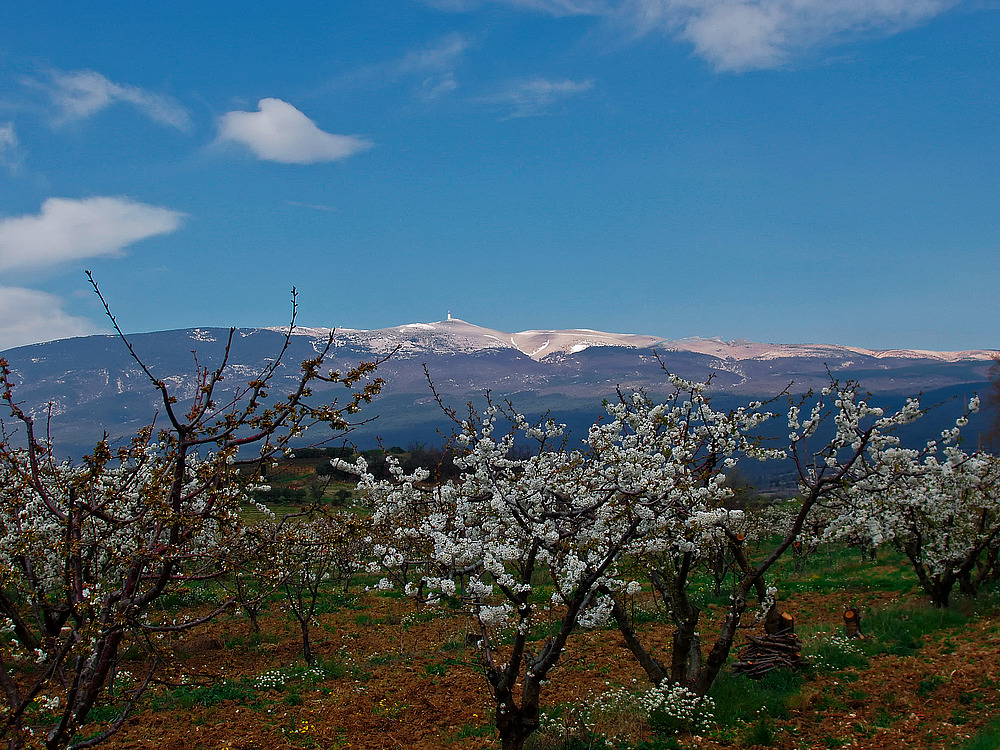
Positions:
{"x": 457, "y": 336}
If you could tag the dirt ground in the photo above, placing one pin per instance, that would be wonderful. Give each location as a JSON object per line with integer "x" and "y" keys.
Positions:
{"x": 410, "y": 682}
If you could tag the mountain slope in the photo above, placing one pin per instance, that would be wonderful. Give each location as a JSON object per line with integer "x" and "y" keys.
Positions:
{"x": 91, "y": 385}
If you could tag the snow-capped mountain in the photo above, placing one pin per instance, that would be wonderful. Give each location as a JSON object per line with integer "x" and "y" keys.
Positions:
{"x": 91, "y": 384}
{"x": 455, "y": 336}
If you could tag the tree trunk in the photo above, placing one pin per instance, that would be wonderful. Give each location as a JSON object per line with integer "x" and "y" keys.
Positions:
{"x": 940, "y": 596}
{"x": 306, "y": 645}
{"x": 685, "y": 657}
{"x": 514, "y": 732}
{"x": 254, "y": 622}
{"x": 653, "y": 667}
{"x": 722, "y": 646}
{"x": 777, "y": 623}
{"x": 517, "y": 723}
{"x": 938, "y": 588}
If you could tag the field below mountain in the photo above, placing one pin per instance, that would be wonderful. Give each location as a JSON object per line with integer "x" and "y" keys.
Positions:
{"x": 393, "y": 673}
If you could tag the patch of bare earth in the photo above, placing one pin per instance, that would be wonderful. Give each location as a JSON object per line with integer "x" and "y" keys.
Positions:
{"x": 411, "y": 682}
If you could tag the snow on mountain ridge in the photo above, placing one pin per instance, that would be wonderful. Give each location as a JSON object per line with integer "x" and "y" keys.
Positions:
{"x": 745, "y": 350}
{"x": 458, "y": 336}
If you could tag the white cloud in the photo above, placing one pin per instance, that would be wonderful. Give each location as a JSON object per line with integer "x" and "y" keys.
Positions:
{"x": 739, "y": 35}
{"x": 79, "y": 94}
{"x": 314, "y": 206}
{"x": 28, "y": 317}
{"x": 279, "y": 132}
{"x": 536, "y": 96}
{"x": 437, "y": 57}
{"x": 434, "y": 65}
{"x": 564, "y": 7}
{"x": 10, "y": 149}
{"x": 67, "y": 230}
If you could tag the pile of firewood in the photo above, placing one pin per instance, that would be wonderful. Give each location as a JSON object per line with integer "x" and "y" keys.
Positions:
{"x": 779, "y": 648}
{"x": 763, "y": 653}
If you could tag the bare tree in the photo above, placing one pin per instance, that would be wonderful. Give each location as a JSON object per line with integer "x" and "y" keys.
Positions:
{"x": 87, "y": 549}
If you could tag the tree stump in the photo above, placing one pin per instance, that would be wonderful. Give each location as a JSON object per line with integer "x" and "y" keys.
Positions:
{"x": 852, "y": 623}
{"x": 776, "y": 623}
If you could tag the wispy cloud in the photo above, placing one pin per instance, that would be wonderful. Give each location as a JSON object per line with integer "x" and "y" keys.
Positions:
{"x": 441, "y": 56}
{"x": 739, "y": 35}
{"x": 314, "y": 206}
{"x": 536, "y": 96}
{"x": 279, "y": 132}
{"x": 66, "y": 230}
{"x": 11, "y": 155}
{"x": 433, "y": 67}
{"x": 79, "y": 94}
{"x": 28, "y": 316}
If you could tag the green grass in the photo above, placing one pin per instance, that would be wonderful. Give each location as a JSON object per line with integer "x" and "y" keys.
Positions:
{"x": 591, "y": 742}
{"x": 987, "y": 739}
{"x": 191, "y": 594}
{"x": 898, "y": 631}
{"x": 594, "y": 742}
{"x": 825, "y": 653}
{"x": 104, "y": 713}
{"x": 840, "y": 569}
{"x": 761, "y": 732}
{"x": 659, "y": 743}
{"x": 475, "y": 730}
{"x": 248, "y": 691}
{"x": 190, "y": 696}
{"x": 740, "y": 699}
{"x": 929, "y": 684}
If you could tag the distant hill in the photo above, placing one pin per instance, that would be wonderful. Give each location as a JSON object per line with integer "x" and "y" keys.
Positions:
{"x": 94, "y": 386}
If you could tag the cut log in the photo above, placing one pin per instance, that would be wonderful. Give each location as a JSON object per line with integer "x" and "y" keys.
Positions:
{"x": 776, "y": 622}
{"x": 852, "y": 623}
{"x": 786, "y": 623}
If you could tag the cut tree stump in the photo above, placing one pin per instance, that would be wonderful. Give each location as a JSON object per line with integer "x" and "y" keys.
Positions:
{"x": 776, "y": 623}
{"x": 852, "y": 623}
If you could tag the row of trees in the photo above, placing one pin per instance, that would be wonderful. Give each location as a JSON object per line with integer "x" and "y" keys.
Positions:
{"x": 538, "y": 543}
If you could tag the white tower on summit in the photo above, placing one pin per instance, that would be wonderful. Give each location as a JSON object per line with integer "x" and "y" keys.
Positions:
{"x": 449, "y": 315}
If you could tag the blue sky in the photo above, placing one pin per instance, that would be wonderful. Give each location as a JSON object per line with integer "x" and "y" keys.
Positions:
{"x": 776, "y": 170}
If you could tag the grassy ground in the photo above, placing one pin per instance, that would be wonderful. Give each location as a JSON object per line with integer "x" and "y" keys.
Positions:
{"x": 392, "y": 673}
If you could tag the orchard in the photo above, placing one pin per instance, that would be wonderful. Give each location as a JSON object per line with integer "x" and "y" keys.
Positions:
{"x": 541, "y": 540}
